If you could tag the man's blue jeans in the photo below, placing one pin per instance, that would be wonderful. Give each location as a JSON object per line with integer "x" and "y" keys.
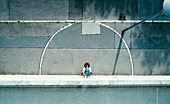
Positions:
{"x": 90, "y": 73}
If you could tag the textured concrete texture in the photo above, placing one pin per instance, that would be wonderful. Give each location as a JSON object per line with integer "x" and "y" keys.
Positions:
{"x": 79, "y": 9}
{"x": 151, "y": 36}
{"x": 30, "y": 29}
{"x": 69, "y": 38}
{"x": 4, "y": 10}
{"x": 151, "y": 43}
{"x": 69, "y": 49}
{"x": 72, "y": 37}
{"x": 19, "y": 61}
{"x": 119, "y": 27}
{"x": 38, "y": 10}
{"x": 151, "y": 61}
{"x": 62, "y": 61}
{"x": 75, "y": 9}
{"x": 114, "y": 8}
{"x": 149, "y": 7}
{"x": 152, "y": 29}
{"x": 23, "y": 42}
{"x": 118, "y": 95}
{"x": 74, "y": 89}
{"x": 71, "y": 61}
{"x": 93, "y": 9}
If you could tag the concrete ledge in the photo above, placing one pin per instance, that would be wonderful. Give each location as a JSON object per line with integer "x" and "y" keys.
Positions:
{"x": 79, "y": 81}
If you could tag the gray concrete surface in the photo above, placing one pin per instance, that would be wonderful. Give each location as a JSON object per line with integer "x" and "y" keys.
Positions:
{"x": 151, "y": 43}
{"x": 140, "y": 36}
{"x": 19, "y": 60}
{"x": 39, "y": 10}
{"x": 93, "y": 9}
{"x": 24, "y": 43}
{"x": 62, "y": 61}
{"x": 152, "y": 29}
{"x": 149, "y": 7}
{"x": 31, "y": 89}
{"x": 151, "y": 36}
{"x": 30, "y": 29}
{"x": 114, "y": 8}
{"x": 21, "y": 45}
{"x": 70, "y": 38}
{"x": 118, "y": 95}
{"x": 79, "y": 9}
{"x": 151, "y": 61}
{"x": 70, "y": 61}
{"x": 119, "y": 27}
{"x": 4, "y": 9}
{"x": 75, "y": 9}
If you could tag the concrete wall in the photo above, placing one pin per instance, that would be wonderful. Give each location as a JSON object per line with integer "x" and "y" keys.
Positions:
{"x": 21, "y": 44}
{"x": 118, "y": 95}
{"x": 79, "y": 9}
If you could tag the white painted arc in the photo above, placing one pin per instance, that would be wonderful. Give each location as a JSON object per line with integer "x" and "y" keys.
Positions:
{"x": 44, "y": 50}
{"x": 53, "y": 35}
{"x": 130, "y": 55}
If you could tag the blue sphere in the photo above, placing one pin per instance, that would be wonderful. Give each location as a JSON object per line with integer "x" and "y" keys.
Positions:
{"x": 166, "y": 7}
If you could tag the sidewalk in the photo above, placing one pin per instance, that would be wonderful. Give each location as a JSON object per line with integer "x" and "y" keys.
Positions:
{"x": 77, "y": 81}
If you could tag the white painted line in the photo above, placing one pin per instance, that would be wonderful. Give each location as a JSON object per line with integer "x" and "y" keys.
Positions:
{"x": 78, "y": 21}
{"x": 44, "y": 50}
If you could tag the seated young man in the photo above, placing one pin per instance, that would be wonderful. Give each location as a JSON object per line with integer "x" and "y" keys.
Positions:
{"x": 87, "y": 70}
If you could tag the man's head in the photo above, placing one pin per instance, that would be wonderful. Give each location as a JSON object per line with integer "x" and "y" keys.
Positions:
{"x": 87, "y": 64}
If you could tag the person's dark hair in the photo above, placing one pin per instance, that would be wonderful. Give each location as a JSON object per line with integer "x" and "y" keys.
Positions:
{"x": 87, "y": 64}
